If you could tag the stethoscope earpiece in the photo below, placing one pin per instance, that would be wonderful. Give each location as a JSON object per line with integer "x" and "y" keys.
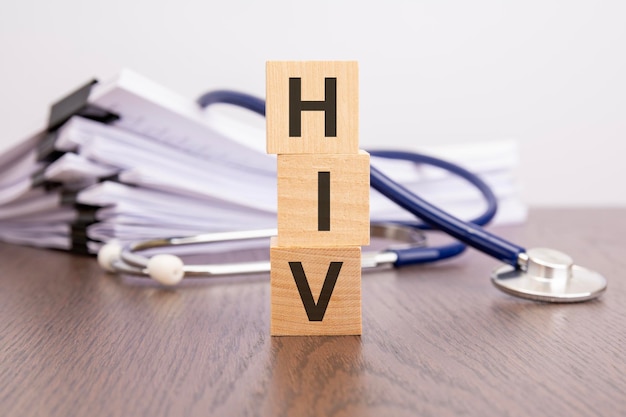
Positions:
{"x": 549, "y": 275}
{"x": 109, "y": 254}
{"x": 166, "y": 269}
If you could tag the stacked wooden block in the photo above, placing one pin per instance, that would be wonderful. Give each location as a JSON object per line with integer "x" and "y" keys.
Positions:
{"x": 323, "y": 198}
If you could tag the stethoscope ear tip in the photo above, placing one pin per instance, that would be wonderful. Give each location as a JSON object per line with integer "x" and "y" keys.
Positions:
{"x": 166, "y": 269}
{"x": 108, "y": 254}
{"x": 549, "y": 275}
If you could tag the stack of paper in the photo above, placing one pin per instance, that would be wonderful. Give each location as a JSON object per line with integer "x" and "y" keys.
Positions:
{"x": 133, "y": 160}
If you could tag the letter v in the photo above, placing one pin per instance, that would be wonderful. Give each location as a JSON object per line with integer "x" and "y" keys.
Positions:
{"x": 315, "y": 311}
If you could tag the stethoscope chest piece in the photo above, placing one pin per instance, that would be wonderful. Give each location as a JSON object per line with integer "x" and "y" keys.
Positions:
{"x": 549, "y": 275}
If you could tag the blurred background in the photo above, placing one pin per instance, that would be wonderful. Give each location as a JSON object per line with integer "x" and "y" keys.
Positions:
{"x": 550, "y": 74}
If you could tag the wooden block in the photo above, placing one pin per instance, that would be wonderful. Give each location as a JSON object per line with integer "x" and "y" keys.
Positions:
{"x": 297, "y": 92}
{"x": 304, "y": 276}
{"x": 323, "y": 200}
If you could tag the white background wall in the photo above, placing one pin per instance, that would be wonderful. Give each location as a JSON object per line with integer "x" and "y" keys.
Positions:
{"x": 551, "y": 73}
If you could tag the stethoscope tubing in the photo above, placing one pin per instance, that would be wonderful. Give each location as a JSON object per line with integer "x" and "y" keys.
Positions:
{"x": 470, "y": 233}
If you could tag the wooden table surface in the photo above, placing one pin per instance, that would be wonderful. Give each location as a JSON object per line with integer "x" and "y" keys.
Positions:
{"x": 437, "y": 340}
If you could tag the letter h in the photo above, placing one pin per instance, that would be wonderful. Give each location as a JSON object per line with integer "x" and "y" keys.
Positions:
{"x": 297, "y": 106}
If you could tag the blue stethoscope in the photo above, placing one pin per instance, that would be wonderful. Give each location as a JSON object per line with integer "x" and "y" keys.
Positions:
{"x": 539, "y": 274}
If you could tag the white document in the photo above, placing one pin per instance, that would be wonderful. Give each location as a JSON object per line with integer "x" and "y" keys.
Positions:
{"x": 175, "y": 169}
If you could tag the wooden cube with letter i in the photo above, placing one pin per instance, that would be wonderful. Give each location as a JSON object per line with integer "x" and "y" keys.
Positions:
{"x": 323, "y": 198}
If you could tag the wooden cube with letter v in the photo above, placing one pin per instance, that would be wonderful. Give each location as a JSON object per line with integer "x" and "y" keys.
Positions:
{"x": 323, "y": 198}
{"x": 315, "y": 290}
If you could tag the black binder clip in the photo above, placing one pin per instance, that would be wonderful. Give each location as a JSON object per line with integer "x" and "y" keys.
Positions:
{"x": 74, "y": 104}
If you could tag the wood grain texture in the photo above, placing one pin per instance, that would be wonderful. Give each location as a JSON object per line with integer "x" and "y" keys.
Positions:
{"x": 437, "y": 340}
{"x": 298, "y": 200}
{"x": 313, "y": 134}
{"x": 288, "y": 316}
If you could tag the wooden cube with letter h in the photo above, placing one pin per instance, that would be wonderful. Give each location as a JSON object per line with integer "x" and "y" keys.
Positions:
{"x": 312, "y": 107}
